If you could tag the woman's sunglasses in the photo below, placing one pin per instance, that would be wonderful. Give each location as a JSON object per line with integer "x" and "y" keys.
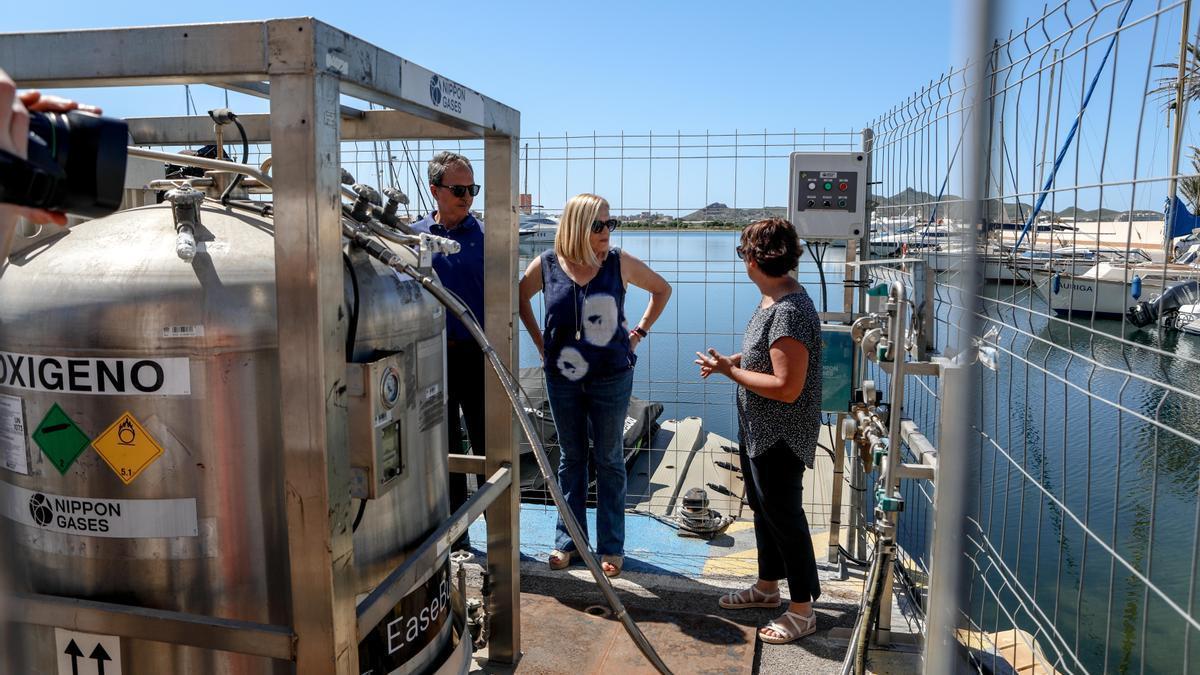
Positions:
{"x": 741, "y": 252}
{"x": 460, "y": 191}
{"x": 599, "y": 225}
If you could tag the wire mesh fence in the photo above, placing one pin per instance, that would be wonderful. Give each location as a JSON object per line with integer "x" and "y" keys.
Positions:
{"x": 1084, "y": 532}
{"x": 1085, "y": 526}
{"x": 682, "y": 200}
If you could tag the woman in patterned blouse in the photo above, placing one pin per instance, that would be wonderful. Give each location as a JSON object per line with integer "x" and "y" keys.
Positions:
{"x": 778, "y": 373}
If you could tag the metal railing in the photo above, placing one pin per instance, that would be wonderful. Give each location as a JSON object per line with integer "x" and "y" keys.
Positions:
{"x": 1084, "y": 527}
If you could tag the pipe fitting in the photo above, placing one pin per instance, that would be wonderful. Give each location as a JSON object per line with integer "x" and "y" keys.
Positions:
{"x": 185, "y": 209}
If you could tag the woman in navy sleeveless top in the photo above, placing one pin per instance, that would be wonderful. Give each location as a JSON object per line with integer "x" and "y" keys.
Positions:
{"x": 588, "y": 353}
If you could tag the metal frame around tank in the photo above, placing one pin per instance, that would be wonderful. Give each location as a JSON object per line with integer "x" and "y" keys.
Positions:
{"x": 303, "y": 65}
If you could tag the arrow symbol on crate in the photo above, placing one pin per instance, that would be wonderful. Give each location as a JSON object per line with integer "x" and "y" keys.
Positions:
{"x": 75, "y": 653}
{"x": 100, "y": 656}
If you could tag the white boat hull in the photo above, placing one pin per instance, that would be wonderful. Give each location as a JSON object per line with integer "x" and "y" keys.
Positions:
{"x": 1083, "y": 295}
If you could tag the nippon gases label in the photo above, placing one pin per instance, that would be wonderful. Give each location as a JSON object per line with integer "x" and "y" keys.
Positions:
{"x": 443, "y": 94}
{"x": 105, "y": 377}
{"x": 112, "y": 518}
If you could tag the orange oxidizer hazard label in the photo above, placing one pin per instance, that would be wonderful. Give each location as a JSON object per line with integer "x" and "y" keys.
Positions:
{"x": 127, "y": 447}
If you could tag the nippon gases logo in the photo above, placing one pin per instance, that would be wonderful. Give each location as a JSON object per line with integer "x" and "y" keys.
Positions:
{"x": 68, "y": 513}
{"x": 447, "y": 94}
{"x": 39, "y": 508}
{"x": 435, "y": 90}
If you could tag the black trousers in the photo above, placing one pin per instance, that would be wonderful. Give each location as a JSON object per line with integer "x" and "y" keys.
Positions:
{"x": 464, "y": 391}
{"x": 774, "y": 486}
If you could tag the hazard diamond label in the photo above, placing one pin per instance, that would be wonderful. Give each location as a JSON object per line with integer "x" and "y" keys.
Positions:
{"x": 127, "y": 448}
{"x": 60, "y": 438}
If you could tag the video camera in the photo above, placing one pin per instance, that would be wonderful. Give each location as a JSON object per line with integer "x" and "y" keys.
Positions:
{"x": 76, "y": 164}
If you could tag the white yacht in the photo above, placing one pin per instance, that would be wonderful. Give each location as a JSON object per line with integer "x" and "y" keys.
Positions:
{"x": 537, "y": 228}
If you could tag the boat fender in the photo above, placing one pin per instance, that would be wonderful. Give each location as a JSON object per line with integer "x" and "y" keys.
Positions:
{"x": 1135, "y": 287}
{"x": 1055, "y": 284}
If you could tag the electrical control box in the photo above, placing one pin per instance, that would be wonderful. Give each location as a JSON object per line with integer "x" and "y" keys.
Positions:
{"x": 827, "y": 194}
{"x": 376, "y": 423}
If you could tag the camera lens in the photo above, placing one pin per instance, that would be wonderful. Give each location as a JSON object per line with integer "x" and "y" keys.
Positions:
{"x": 82, "y": 161}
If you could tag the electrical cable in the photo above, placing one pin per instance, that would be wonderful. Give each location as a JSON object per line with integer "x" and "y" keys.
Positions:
{"x": 819, "y": 259}
{"x": 362, "y": 508}
{"x": 852, "y": 559}
{"x": 237, "y": 180}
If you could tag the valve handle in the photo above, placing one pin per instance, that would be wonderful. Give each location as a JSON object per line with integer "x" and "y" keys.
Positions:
{"x": 395, "y": 195}
{"x": 366, "y": 192}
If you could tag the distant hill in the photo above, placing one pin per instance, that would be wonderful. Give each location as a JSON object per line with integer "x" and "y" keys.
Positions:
{"x": 907, "y": 203}
{"x": 722, "y": 213}
{"x": 910, "y": 202}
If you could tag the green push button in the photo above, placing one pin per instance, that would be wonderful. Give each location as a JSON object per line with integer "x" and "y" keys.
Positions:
{"x": 60, "y": 438}
{"x": 828, "y": 186}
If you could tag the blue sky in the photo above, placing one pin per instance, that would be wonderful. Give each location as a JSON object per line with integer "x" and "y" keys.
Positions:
{"x": 638, "y": 67}
{"x": 632, "y": 65}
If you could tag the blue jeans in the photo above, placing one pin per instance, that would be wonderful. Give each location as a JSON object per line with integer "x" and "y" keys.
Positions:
{"x": 596, "y": 405}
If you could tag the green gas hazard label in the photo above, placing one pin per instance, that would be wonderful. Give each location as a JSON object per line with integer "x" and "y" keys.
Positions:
{"x": 60, "y": 438}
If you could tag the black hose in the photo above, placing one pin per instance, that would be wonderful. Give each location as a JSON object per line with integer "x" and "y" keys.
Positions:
{"x": 862, "y": 630}
{"x": 352, "y": 329}
{"x": 362, "y": 508}
{"x": 852, "y": 559}
{"x": 237, "y": 180}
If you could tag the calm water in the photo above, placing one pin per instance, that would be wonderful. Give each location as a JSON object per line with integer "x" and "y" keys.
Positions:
{"x": 711, "y": 303}
{"x": 1132, "y": 484}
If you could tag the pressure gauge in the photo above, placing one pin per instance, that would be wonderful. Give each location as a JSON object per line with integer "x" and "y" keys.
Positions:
{"x": 389, "y": 387}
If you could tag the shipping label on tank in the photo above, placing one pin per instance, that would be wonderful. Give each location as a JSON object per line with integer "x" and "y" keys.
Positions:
{"x": 409, "y": 628}
{"x": 87, "y": 653}
{"x": 105, "y": 377}
{"x": 86, "y": 516}
{"x": 182, "y": 331}
{"x": 14, "y": 451}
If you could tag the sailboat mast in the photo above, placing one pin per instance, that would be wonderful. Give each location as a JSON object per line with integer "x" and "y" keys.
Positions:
{"x": 1045, "y": 144}
{"x": 1177, "y": 138}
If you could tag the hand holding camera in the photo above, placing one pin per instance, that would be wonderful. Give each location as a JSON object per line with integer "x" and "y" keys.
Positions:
{"x": 56, "y": 156}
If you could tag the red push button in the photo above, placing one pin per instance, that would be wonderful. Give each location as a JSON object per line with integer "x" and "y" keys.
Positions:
{"x": 842, "y": 186}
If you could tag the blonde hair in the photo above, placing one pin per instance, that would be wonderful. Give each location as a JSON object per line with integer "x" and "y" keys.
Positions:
{"x": 571, "y": 240}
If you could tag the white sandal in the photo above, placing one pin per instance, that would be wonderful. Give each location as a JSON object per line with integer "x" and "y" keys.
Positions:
{"x": 750, "y": 597}
{"x": 797, "y": 627}
{"x": 561, "y": 560}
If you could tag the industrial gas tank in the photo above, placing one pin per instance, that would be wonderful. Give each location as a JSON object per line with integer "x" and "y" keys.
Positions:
{"x": 140, "y": 452}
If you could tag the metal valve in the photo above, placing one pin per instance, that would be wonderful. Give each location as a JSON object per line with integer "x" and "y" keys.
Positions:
{"x": 367, "y": 196}
{"x": 395, "y": 199}
{"x": 185, "y": 209}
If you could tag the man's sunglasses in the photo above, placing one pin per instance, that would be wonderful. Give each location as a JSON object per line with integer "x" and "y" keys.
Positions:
{"x": 599, "y": 225}
{"x": 460, "y": 191}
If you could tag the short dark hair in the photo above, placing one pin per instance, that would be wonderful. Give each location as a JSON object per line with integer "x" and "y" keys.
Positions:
{"x": 442, "y": 161}
{"x": 773, "y": 244}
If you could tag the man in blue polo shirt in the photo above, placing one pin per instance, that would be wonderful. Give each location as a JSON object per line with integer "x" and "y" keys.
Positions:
{"x": 452, "y": 184}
